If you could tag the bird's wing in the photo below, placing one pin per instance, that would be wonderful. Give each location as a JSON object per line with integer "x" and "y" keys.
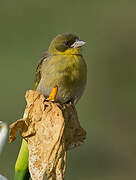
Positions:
{"x": 38, "y": 70}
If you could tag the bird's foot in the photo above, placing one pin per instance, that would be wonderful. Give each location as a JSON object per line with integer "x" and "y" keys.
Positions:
{"x": 53, "y": 94}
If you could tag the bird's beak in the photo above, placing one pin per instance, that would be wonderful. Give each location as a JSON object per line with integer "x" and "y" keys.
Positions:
{"x": 78, "y": 43}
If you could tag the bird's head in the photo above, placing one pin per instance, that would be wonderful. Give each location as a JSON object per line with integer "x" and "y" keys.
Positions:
{"x": 67, "y": 44}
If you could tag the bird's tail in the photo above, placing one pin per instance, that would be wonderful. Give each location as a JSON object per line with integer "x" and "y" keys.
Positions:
{"x": 21, "y": 166}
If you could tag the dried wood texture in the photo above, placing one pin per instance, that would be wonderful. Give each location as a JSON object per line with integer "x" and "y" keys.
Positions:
{"x": 50, "y": 130}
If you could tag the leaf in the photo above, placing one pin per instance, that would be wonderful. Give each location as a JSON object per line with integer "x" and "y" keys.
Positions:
{"x": 50, "y": 129}
{"x": 3, "y": 134}
{"x": 3, "y": 177}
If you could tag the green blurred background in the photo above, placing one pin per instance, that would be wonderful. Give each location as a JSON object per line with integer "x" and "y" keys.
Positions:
{"x": 108, "y": 108}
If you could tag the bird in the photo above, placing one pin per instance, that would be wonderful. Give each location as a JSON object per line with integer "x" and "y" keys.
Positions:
{"x": 61, "y": 75}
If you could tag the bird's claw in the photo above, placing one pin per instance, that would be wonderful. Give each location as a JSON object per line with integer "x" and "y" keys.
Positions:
{"x": 53, "y": 94}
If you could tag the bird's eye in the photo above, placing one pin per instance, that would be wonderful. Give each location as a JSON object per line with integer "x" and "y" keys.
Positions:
{"x": 67, "y": 43}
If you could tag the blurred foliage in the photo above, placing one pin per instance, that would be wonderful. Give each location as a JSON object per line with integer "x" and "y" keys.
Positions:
{"x": 107, "y": 109}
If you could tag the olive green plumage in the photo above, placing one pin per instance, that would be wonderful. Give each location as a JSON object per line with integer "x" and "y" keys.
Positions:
{"x": 63, "y": 66}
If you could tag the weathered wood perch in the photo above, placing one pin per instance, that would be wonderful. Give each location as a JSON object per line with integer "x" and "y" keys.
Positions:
{"x": 50, "y": 129}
